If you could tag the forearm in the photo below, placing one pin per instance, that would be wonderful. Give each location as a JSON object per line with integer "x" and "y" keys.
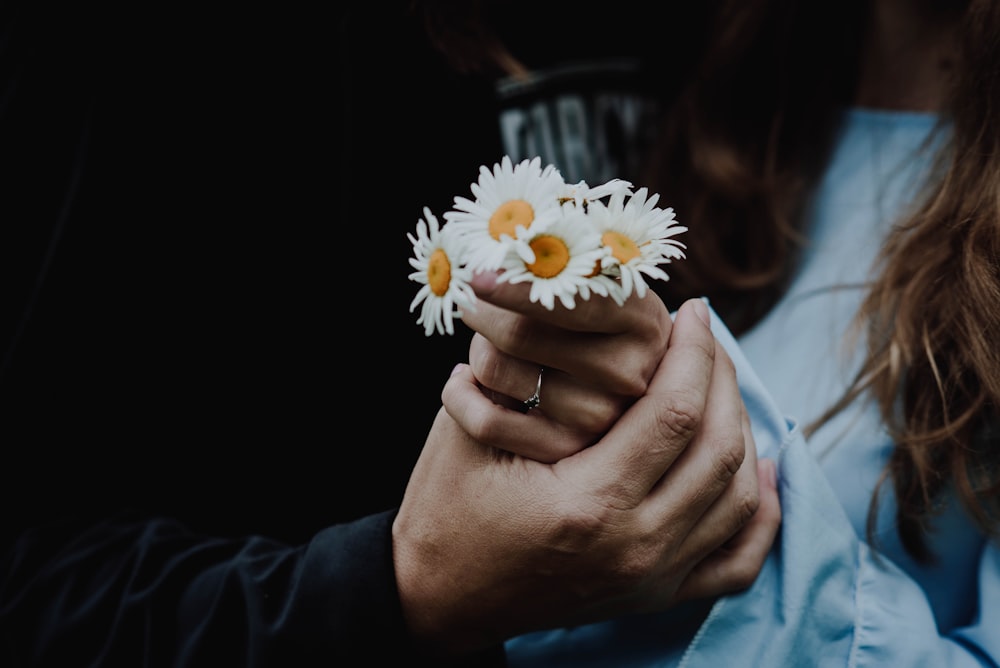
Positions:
{"x": 150, "y": 592}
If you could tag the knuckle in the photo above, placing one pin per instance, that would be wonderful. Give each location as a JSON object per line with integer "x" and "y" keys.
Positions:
{"x": 589, "y": 527}
{"x": 631, "y": 380}
{"x": 480, "y": 428}
{"x": 641, "y": 554}
{"x": 577, "y": 529}
{"x": 628, "y": 371}
{"x": 598, "y": 416}
{"x": 731, "y": 453}
{"x": 485, "y": 361}
{"x": 640, "y": 351}
{"x": 638, "y": 563}
{"x": 746, "y": 504}
{"x": 630, "y": 374}
{"x": 678, "y": 417}
{"x": 582, "y": 523}
{"x": 451, "y": 393}
{"x": 482, "y": 425}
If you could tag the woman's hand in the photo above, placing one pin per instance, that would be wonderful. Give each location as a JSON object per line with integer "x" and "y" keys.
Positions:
{"x": 597, "y": 358}
{"x": 489, "y": 544}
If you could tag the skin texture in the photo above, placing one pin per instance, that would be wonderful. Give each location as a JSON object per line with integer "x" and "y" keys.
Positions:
{"x": 598, "y": 359}
{"x": 668, "y": 505}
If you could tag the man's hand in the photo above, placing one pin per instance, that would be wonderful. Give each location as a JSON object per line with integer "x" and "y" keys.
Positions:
{"x": 489, "y": 544}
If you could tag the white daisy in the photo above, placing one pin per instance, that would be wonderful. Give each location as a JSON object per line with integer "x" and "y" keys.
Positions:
{"x": 445, "y": 278}
{"x": 509, "y": 201}
{"x": 566, "y": 254}
{"x": 581, "y": 194}
{"x": 639, "y": 236}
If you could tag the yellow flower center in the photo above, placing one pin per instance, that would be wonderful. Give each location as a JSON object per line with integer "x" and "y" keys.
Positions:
{"x": 439, "y": 272}
{"x": 623, "y": 248}
{"x": 508, "y": 216}
{"x": 551, "y": 256}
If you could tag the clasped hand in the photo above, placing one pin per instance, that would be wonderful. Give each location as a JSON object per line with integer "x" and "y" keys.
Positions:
{"x": 633, "y": 486}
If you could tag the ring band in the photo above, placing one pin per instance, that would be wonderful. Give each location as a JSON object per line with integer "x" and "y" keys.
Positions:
{"x": 535, "y": 399}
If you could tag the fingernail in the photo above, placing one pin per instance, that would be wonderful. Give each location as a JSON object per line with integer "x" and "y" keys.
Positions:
{"x": 701, "y": 310}
{"x": 484, "y": 280}
{"x": 458, "y": 367}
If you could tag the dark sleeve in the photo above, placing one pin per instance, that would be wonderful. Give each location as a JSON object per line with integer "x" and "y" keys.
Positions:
{"x": 134, "y": 592}
{"x": 173, "y": 278}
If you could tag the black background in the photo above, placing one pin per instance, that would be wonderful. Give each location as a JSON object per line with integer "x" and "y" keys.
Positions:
{"x": 203, "y": 218}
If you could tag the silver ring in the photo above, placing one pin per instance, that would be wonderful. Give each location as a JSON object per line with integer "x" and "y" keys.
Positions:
{"x": 534, "y": 399}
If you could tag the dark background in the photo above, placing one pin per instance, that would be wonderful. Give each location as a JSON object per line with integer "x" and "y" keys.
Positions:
{"x": 205, "y": 300}
{"x": 203, "y": 218}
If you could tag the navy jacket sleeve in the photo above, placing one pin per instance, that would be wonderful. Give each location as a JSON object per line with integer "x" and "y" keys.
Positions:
{"x": 180, "y": 323}
{"x": 150, "y": 592}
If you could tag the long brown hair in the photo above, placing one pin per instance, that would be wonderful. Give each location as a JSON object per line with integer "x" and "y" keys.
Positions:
{"x": 741, "y": 148}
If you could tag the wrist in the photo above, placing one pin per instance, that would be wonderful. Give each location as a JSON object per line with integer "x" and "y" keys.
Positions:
{"x": 438, "y": 613}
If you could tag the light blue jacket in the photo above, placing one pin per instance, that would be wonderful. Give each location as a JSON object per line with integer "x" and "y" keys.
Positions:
{"x": 824, "y": 597}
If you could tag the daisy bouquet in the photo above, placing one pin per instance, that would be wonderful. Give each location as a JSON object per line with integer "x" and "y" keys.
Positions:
{"x": 568, "y": 240}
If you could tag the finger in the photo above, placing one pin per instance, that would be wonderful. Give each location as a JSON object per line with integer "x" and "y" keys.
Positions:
{"x": 613, "y": 347}
{"x": 657, "y": 428}
{"x": 739, "y": 499}
{"x": 530, "y": 434}
{"x": 502, "y": 373}
{"x": 509, "y": 381}
{"x": 735, "y": 566}
{"x": 597, "y": 314}
{"x": 710, "y": 492}
{"x": 621, "y": 363}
